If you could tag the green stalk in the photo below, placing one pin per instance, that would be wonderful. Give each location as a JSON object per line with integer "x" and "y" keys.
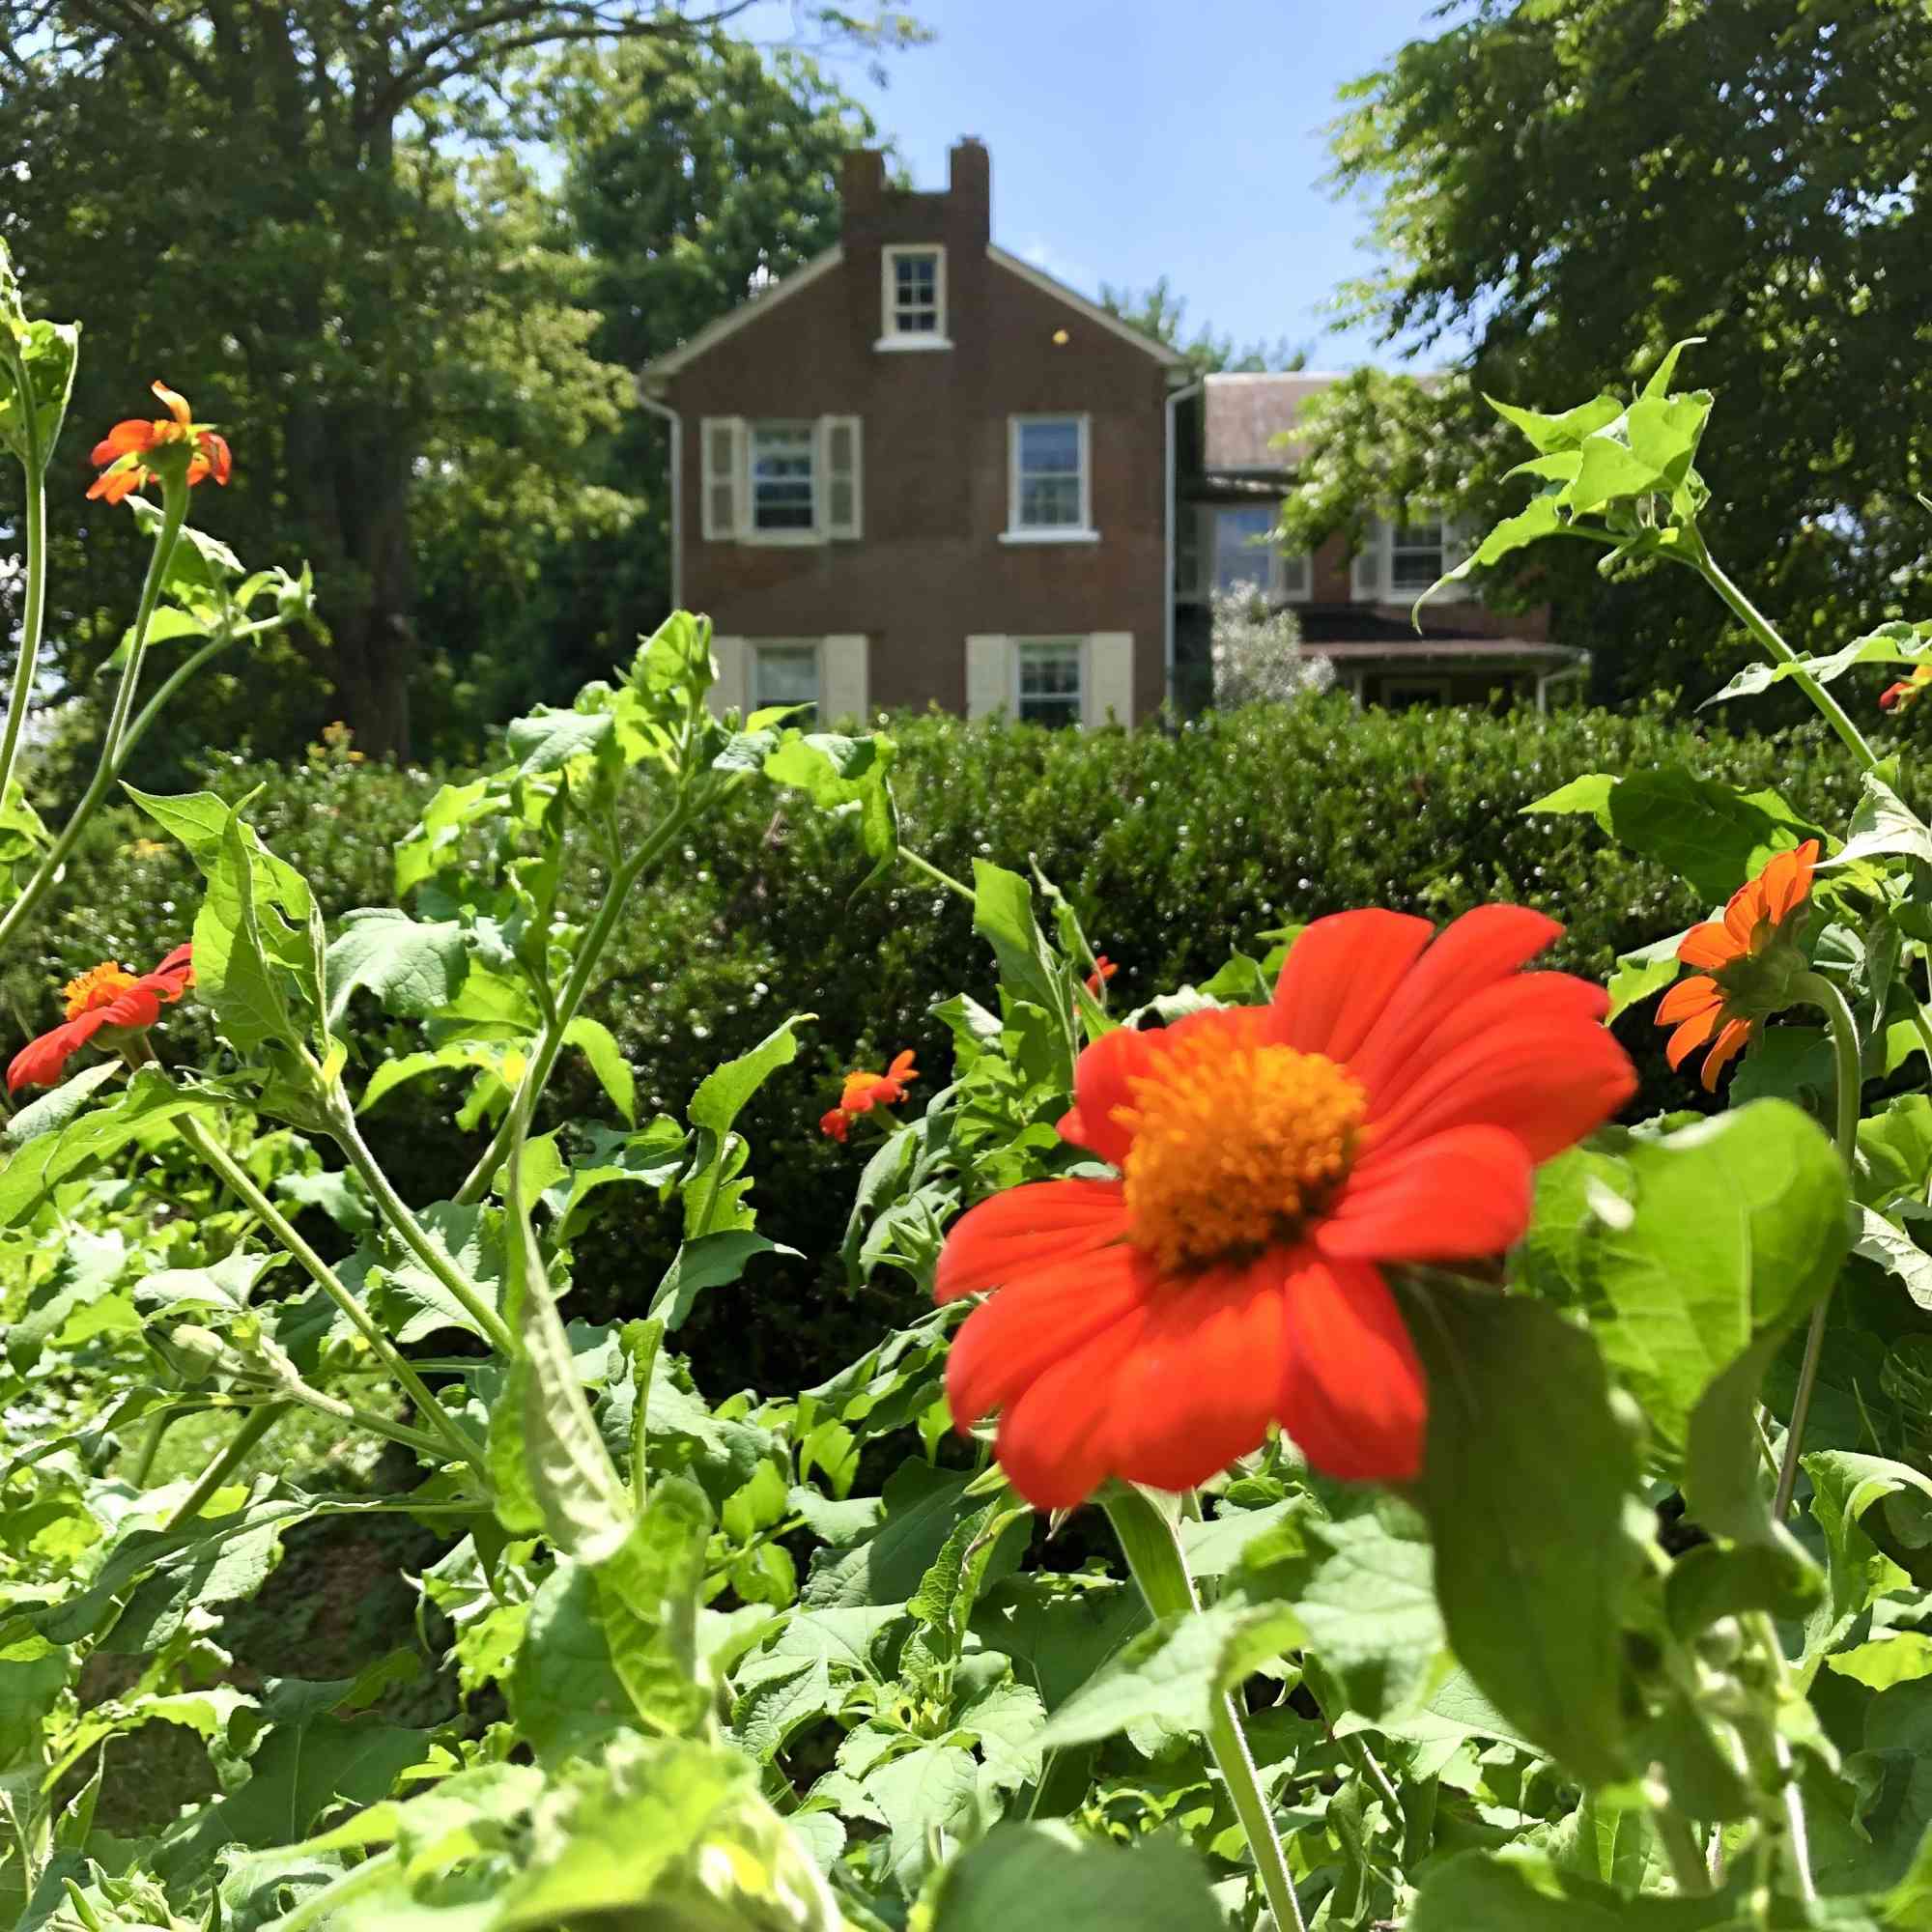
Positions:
{"x": 933, "y": 873}
{"x": 590, "y": 950}
{"x": 242, "y": 1185}
{"x": 227, "y": 1459}
{"x": 1820, "y": 992}
{"x": 174, "y": 513}
{"x": 1678, "y": 1837}
{"x": 410, "y": 1232}
{"x": 1766, "y": 634}
{"x": 34, "y": 616}
{"x": 1149, "y": 1541}
{"x": 1797, "y": 1828}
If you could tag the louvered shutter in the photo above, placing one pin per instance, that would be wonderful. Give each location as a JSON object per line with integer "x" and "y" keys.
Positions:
{"x": 721, "y": 445}
{"x": 989, "y": 675}
{"x": 839, "y": 463}
{"x": 842, "y": 679}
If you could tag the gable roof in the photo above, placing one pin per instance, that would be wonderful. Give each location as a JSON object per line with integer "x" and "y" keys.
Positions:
{"x": 753, "y": 308}
{"x": 1242, "y": 414}
{"x": 750, "y": 309}
{"x": 1104, "y": 318}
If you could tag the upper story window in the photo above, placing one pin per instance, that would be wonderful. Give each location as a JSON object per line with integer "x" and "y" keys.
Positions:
{"x": 786, "y": 674}
{"x": 1218, "y": 547}
{"x": 778, "y": 482}
{"x": 913, "y": 297}
{"x": 1049, "y": 674}
{"x": 1416, "y": 555}
{"x": 1050, "y": 485}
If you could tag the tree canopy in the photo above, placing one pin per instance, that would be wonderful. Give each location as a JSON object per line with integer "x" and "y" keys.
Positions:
{"x": 1564, "y": 188}
{"x": 305, "y": 219}
{"x": 1158, "y": 311}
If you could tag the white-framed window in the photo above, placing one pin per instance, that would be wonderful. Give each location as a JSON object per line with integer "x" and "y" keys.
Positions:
{"x": 1417, "y": 554}
{"x": 912, "y": 296}
{"x": 1244, "y": 553}
{"x": 786, "y": 674}
{"x": 1050, "y": 678}
{"x": 1050, "y": 484}
{"x": 777, "y": 482}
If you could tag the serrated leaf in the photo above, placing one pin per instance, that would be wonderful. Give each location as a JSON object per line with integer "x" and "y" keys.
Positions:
{"x": 413, "y": 966}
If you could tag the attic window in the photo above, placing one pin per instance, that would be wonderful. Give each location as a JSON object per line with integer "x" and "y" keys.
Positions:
{"x": 913, "y": 298}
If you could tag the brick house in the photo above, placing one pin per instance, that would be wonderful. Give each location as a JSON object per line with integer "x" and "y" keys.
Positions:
{"x": 918, "y": 470}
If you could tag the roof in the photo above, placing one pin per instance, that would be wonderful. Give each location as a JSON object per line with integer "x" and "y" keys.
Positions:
{"x": 1242, "y": 414}
{"x": 769, "y": 297}
{"x": 1446, "y": 650}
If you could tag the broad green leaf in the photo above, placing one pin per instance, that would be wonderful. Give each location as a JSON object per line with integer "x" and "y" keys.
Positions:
{"x": 1649, "y": 970}
{"x": 647, "y": 1592}
{"x": 598, "y": 1046}
{"x": 149, "y": 1100}
{"x": 1045, "y": 1878}
{"x": 1174, "y": 1669}
{"x": 1898, "y": 1253}
{"x": 1551, "y": 435}
{"x": 411, "y": 1300}
{"x": 413, "y": 966}
{"x": 1478, "y": 1891}
{"x": 1710, "y": 833}
{"x": 711, "y": 1261}
{"x": 565, "y": 1692}
{"x": 1890, "y": 644}
{"x": 1590, "y": 793}
{"x": 1883, "y": 825}
{"x": 547, "y": 739}
{"x": 1900, "y": 1657}
{"x": 1525, "y": 1502}
{"x": 922, "y": 1504}
{"x": 929, "y": 1798}
{"x": 1845, "y": 1487}
{"x": 723, "y": 1090}
{"x": 31, "y": 418}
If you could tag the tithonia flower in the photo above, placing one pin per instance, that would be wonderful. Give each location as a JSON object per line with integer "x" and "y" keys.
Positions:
{"x": 125, "y": 446}
{"x": 1388, "y": 1107}
{"x": 1104, "y": 970}
{"x": 103, "y": 997}
{"x": 1746, "y": 958}
{"x": 863, "y": 1092}
{"x": 1906, "y": 693}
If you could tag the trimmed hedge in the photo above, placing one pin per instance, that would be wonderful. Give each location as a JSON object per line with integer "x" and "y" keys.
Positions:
{"x": 1174, "y": 848}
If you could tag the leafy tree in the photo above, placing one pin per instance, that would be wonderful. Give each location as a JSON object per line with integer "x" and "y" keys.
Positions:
{"x": 1158, "y": 311}
{"x": 271, "y": 203}
{"x": 1571, "y": 187}
{"x": 693, "y": 173}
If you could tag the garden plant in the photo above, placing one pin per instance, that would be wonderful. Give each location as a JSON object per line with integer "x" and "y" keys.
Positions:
{"x": 1329, "y": 1466}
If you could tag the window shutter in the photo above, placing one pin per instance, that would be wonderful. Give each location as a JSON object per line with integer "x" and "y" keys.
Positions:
{"x": 731, "y": 689}
{"x": 1365, "y": 570}
{"x": 1109, "y": 694}
{"x": 838, "y": 463}
{"x": 843, "y": 683}
{"x": 721, "y": 440}
{"x": 989, "y": 675}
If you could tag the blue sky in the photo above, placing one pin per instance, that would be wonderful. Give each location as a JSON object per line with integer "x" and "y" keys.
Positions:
{"x": 1136, "y": 138}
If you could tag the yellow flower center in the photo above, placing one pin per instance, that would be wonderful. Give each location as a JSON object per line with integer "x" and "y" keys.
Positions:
{"x": 99, "y": 986}
{"x": 1238, "y": 1145}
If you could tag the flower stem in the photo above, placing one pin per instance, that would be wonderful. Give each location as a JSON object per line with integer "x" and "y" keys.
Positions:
{"x": 589, "y": 949}
{"x": 229, "y": 1458}
{"x": 934, "y": 874}
{"x": 33, "y": 614}
{"x": 410, "y": 1232}
{"x": 242, "y": 1185}
{"x": 1820, "y": 992}
{"x": 174, "y": 513}
{"x": 1767, "y": 635}
{"x": 1149, "y": 1542}
{"x": 1689, "y": 1863}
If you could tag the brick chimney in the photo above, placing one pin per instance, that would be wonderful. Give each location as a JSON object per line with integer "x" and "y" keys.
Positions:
{"x": 862, "y": 187}
{"x": 971, "y": 183}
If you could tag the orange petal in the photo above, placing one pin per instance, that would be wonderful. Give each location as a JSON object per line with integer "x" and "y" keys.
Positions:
{"x": 215, "y": 455}
{"x": 1730, "y": 1044}
{"x": 1041, "y": 1225}
{"x": 1341, "y": 975}
{"x": 1053, "y": 1441}
{"x": 1458, "y": 1197}
{"x": 1709, "y": 945}
{"x": 1101, "y": 1085}
{"x": 1693, "y": 1035}
{"x": 125, "y": 438}
{"x": 39, "y": 1062}
{"x": 1687, "y": 997}
{"x": 177, "y": 404}
{"x": 1787, "y": 880}
{"x": 1353, "y": 1394}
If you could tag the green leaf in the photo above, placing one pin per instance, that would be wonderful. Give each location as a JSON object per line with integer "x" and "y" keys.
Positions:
{"x": 1044, "y": 1878}
{"x": 599, "y": 1046}
{"x": 1640, "y": 973}
{"x": 1525, "y": 1503}
{"x": 1551, "y": 435}
{"x": 413, "y": 966}
{"x": 49, "y": 352}
{"x": 1884, "y": 824}
{"x": 1058, "y": 1629}
{"x": 929, "y": 1798}
{"x": 921, "y": 1505}
{"x": 1526, "y": 1893}
{"x": 1710, "y": 833}
{"x": 647, "y": 1592}
{"x": 1590, "y": 793}
{"x": 411, "y": 1300}
{"x": 1900, "y": 1657}
{"x": 711, "y": 1261}
{"x": 723, "y": 1090}
{"x": 1174, "y": 1670}
{"x": 1890, "y": 643}
{"x": 238, "y": 954}
{"x": 547, "y": 739}
{"x": 54, "y": 1110}
{"x": 565, "y": 1692}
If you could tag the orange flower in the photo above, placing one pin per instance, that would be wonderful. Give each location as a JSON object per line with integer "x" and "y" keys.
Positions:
{"x": 1749, "y": 958}
{"x": 863, "y": 1092}
{"x": 1907, "y": 692}
{"x": 1390, "y": 1105}
{"x": 1104, "y": 970}
{"x": 104, "y": 997}
{"x": 124, "y": 445}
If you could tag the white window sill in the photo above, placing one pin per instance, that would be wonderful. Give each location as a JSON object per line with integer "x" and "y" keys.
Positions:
{"x": 783, "y": 539}
{"x": 1056, "y": 535}
{"x": 895, "y": 343}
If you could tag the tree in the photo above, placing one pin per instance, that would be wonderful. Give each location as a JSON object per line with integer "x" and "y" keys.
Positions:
{"x": 272, "y": 197}
{"x": 1571, "y": 186}
{"x": 692, "y": 174}
{"x": 1158, "y": 311}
